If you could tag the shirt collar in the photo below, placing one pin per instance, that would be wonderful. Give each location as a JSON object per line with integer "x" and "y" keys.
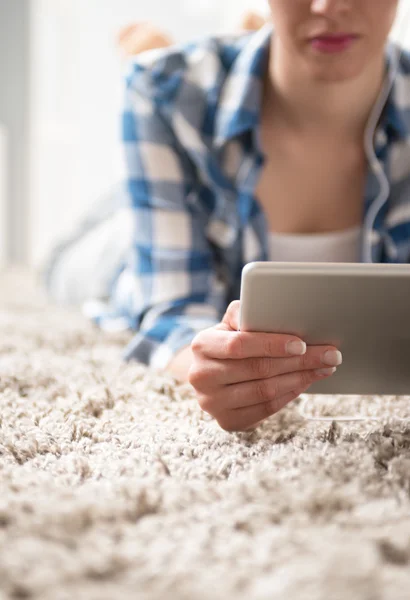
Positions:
{"x": 394, "y": 119}
{"x": 241, "y": 94}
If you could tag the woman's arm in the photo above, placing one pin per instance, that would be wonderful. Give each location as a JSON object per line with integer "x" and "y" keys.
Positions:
{"x": 168, "y": 290}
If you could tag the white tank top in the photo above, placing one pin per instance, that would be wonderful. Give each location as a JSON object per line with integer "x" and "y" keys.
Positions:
{"x": 336, "y": 246}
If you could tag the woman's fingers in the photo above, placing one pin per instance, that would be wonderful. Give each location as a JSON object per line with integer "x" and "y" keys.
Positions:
{"x": 223, "y": 344}
{"x": 227, "y": 372}
{"x": 231, "y": 316}
{"x": 250, "y": 416}
{"x": 259, "y": 391}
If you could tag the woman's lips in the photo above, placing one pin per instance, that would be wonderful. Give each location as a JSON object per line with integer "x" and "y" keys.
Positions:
{"x": 333, "y": 43}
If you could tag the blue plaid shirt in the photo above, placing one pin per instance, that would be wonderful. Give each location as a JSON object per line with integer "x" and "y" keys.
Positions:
{"x": 189, "y": 133}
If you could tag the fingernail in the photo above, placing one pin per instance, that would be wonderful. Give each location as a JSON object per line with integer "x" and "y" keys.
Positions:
{"x": 332, "y": 358}
{"x": 296, "y": 348}
{"x": 325, "y": 372}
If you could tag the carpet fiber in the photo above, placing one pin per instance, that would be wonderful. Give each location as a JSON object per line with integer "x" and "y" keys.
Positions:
{"x": 114, "y": 485}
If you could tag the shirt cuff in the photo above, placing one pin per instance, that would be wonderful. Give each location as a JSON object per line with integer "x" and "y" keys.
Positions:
{"x": 158, "y": 354}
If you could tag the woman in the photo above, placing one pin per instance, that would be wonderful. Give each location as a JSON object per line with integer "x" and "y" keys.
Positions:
{"x": 256, "y": 148}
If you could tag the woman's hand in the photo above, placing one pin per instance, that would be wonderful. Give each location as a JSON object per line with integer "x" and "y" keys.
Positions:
{"x": 241, "y": 378}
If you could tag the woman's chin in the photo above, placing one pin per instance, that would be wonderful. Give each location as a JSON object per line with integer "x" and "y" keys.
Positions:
{"x": 335, "y": 73}
{"x": 341, "y": 68}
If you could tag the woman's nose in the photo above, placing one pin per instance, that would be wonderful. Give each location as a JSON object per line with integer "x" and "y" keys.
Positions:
{"x": 327, "y": 7}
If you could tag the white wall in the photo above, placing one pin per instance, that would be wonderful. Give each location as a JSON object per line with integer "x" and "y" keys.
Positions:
{"x": 76, "y": 87}
{"x": 4, "y": 169}
{"x": 401, "y": 30}
{"x": 14, "y": 108}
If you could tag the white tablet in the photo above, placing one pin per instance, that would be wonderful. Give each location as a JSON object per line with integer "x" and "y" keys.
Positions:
{"x": 362, "y": 309}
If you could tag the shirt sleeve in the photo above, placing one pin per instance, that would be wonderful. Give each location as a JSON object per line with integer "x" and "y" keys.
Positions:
{"x": 168, "y": 290}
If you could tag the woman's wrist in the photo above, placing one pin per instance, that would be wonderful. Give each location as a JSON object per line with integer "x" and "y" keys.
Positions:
{"x": 180, "y": 364}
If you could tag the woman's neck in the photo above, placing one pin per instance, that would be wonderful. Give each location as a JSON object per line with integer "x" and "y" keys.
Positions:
{"x": 309, "y": 105}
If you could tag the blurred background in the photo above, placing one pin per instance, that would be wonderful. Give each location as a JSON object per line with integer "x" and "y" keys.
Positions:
{"x": 61, "y": 73}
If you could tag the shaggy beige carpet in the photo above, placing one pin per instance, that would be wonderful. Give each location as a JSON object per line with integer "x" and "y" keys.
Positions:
{"x": 114, "y": 485}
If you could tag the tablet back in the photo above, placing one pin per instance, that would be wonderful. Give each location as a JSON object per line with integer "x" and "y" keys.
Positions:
{"x": 362, "y": 309}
